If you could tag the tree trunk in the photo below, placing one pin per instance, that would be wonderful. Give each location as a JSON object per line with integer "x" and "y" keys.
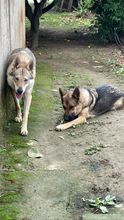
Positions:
{"x": 34, "y": 38}
{"x": 35, "y": 32}
{"x": 70, "y": 5}
{"x": 34, "y": 16}
{"x": 61, "y": 7}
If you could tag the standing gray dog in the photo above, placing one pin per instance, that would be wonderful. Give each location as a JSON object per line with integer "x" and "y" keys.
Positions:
{"x": 21, "y": 71}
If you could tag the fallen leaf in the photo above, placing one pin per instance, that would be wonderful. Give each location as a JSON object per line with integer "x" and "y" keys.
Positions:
{"x": 33, "y": 153}
{"x": 96, "y": 61}
{"x": 85, "y": 62}
{"x": 61, "y": 137}
{"x": 54, "y": 90}
{"x": 73, "y": 61}
{"x": 97, "y": 66}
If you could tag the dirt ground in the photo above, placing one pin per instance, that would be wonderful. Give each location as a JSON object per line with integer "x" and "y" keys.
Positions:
{"x": 54, "y": 187}
{"x": 77, "y": 59}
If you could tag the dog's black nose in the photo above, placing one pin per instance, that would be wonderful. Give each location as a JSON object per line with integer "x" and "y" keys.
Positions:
{"x": 19, "y": 90}
{"x": 70, "y": 117}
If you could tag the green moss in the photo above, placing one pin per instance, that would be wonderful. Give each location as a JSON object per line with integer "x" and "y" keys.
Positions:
{"x": 12, "y": 194}
{"x": 15, "y": 176}
{"x": 14, "y": 151}
{"x": 8, "y": 212}
{"x": 9, "y": 197}
{"x": 40, "y": 111}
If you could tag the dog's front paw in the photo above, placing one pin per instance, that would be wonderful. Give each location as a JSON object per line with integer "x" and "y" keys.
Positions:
{"x": 18, "y": 119}
{"x": 59, "y": 127}
{"x": 24, "y": 132}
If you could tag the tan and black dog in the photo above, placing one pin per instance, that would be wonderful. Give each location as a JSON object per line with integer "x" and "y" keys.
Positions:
{"x": 82, "y": 103}
{"x": 21, "y": 71}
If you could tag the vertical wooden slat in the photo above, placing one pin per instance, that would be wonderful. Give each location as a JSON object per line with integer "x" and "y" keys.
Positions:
{"x": 4, "y": 38}
{"x": 12, "y": 35}
{"x": 17, "y": 24}
{"x": 12, "y": 31}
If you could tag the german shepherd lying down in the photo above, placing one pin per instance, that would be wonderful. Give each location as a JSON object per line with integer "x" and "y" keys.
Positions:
{"x": 82, "y": 103}
{"x": 21, "y": 71}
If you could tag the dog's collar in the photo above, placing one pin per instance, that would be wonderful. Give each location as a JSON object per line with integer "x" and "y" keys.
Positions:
{"x": 91, "y": 101}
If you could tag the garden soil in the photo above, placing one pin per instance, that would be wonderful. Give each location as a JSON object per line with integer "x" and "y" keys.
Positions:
{"x": 65, "y": 176}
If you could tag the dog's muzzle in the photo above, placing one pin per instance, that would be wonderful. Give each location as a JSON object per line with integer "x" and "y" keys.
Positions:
{"x": 19, "y": 93}
{"x": 70, "y": 117}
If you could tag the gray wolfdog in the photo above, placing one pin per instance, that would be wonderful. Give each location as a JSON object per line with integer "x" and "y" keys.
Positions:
{"x": 82, "y": 103}
{"x": 21, "y": 71}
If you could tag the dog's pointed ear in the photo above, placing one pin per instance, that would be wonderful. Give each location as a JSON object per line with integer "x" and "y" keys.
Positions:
{"x": 61, "y": 93}
{"x": 30, "y": 65}
{"x": 76, "y": 93}
{"x": 17, "y": 62}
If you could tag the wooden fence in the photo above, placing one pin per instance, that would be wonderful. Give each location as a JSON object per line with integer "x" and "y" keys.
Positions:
{"x": 12, "y": 35}
{"x": 12, "y": 31}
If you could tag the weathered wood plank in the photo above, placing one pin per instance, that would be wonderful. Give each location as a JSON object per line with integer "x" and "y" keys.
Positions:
{"x": 12, "y": 31}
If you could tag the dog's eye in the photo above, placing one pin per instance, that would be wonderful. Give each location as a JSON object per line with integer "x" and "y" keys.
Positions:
{"x": 17, "y": 78}
{"x": 25, "y": 80}
{"x": 71, "y": 107}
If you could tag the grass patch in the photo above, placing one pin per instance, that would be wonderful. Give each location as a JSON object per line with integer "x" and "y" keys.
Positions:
{"x": 72, "y": 79}
{"x": 63, "y": 20}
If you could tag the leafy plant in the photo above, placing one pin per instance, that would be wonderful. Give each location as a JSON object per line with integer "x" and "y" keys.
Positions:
{"x": 121, "y": 71}
{"x": 101, "y": 205}
{"x": 112, "y": 61}
{"x": 52, "y": 56}
{"x": 2, "y": 149}
{"x": 94, "y": 148}
{"x": 92, "y": 122}
{"x": 83, "y": 7}
{"x": 75, "y": 126}
{"x": 109, "y": 16}
{"x": 72, "y": 133}
{"x": 8, "y": 125}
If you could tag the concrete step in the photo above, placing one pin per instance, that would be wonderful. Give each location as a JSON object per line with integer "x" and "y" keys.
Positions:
{"x": 103, "y": 217}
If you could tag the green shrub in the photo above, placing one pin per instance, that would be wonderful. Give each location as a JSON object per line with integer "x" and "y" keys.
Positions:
{"x": 110, "y": 14}
{"x": 83, "y": 7}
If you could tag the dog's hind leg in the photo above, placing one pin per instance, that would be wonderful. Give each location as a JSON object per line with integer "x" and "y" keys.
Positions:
{"x": 18, "y": 117}
{"x": 118, "y": 104}
{"x": 27, "y": 103}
